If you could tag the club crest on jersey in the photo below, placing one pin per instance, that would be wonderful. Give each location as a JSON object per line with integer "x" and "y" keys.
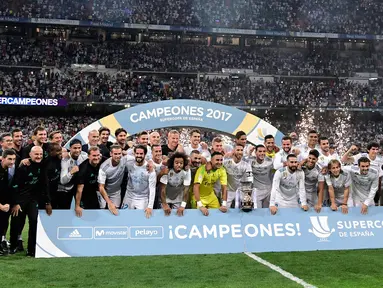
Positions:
{"x": 171, "y": 174}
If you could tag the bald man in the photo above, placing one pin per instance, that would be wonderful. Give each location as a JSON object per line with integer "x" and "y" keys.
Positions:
{"x": 93, "y": 141}
{"x": 31, "y": 186}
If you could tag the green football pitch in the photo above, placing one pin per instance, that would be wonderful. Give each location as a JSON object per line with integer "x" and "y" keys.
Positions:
{"x": 319, "y": 269}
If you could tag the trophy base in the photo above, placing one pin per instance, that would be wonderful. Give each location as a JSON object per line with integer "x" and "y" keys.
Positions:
{"x": 247, "y": 208}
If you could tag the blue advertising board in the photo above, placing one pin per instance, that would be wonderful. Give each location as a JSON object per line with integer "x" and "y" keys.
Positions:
{"x": 99, "y": 233}
{"x": 185, "y": 113}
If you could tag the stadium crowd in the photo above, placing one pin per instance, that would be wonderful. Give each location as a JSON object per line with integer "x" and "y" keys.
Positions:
{"x": 184, "y": 58}
{"x": 125, "y": 87}
{"x": 337, "y": 16}
{"x": 145, "y": 174}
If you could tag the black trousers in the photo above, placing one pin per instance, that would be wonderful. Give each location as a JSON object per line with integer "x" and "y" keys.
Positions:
{"x": 29, "y": 209}
{"x": 4, "y": 222}
{"x": 63, "y": 200}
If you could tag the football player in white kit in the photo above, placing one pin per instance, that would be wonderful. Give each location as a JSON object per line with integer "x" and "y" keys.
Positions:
{"x": 338, "y": 182}
{"x": 280, "y": 159}
{"x": 110, "y": 177}
{"x": 236, "y": 169}
{"x": 262, "y": 168}
{"x": 364, "y": 184}
{"x": 288, "y": 190}
{"x": 175, "y": 184}
{"x": 314, "y": 178}
{"x": 141, "y": 188}
{"x": 376, "y": 161}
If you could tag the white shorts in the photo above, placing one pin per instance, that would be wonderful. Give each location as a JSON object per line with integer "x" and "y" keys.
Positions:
{"x": 230, "y": 198}
{"x": 115, "y": 198}
{"x": 134, "y": 204}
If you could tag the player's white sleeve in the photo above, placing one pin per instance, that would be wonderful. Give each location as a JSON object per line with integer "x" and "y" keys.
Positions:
{"x": 373, "y": 190}
{"x": 275, "y": 187}
{"x": 152, "y": 188}
{"x": 254, "y": 194}
{"x": 237, "y": 199}
{"x": 187, "y": 179}
{"x": 277, "y": 163}
{"x": 65, "y": 175}
{"x": 164, "y": 179}
{"x": 328, "y": 180}
{"x": 302, "y": 190}
{"x": 129, "y": 157}
{"x": 101, "y": 177}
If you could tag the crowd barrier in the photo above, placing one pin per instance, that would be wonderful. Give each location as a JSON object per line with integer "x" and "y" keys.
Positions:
{"x": 99, "y": 233}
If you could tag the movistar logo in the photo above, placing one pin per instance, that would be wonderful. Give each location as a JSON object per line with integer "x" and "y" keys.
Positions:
{"x": 320, "y": 228}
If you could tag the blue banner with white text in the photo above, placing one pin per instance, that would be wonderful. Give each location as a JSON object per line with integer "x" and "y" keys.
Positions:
{"x": 99, "y": 233}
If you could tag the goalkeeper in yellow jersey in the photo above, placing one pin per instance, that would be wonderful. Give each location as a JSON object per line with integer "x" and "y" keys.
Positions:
{"x": 203, "y": 189}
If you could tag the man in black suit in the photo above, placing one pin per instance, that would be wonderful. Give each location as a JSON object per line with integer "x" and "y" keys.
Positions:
{"x": 93, "y": 140}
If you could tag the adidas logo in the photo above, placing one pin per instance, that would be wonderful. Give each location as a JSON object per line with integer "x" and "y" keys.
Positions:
{"x": 30, "y": 174}
{"x": 75, "y": 234}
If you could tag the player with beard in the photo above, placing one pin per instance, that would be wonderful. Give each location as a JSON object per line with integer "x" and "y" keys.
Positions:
{"x": 236, "y": 170}
{"x": 271, "y": 149}
{"x": 141, "y": 188}
{"x": 30, "y": 184}
{"x": 87, "y": 185}
{"x": 17, "y": 137}
{"x": 53, "y": 167}
{"x": 204, "y": 196}
{"x": 314, "y": 179}
{"x": 69, "y": 169}
{"x": 288, "y": 190}
{"x": 142, "y": 139}
{"x": 121, "y": 135}
{"x": 110, "y": 178}
{"x": 40, "y": 139}
{"x": 262, "y": 168}
{"x": 376, "y": 162}
{"x": 338, "y": 182}
{"x": 324, "y": 153}
{"x": 364, "y": 184}
{"x": 104, "y": 138}
{"x": 280, "y": 159}
{"x": 175, "y": 185}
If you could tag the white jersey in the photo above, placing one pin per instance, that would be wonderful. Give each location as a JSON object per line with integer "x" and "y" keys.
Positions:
{"x": 364, "y": 187}
{"x": 141, "y": 183}
{"x": 323, "y": 160}
{"x": 158, "y": 167}
{"x": 188, "y": 150}
{"x": 279, "y": 158}
{"x": 305, "y": 150}
{"x": 175, "y": 185}
{"x": 112, "y": 176}
{"x": 262, "y": 174}
{"x": 375, "y": 164}
{"x": 288, "y": 189}
{"x": 339, "y": 183}
{"x": 237, "y": 173}
{"x": 66, "y": 184}
{"x": 312, "y": 177}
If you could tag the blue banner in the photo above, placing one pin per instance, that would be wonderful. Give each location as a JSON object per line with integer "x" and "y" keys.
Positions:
{"x": 189, "y": 28}
{"x": 185, "y": 113}
{"x": 99, "y": 233}
{"x": 30, "y": 101}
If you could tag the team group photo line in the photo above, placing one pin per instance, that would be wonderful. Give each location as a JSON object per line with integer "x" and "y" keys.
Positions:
{"x": 140, "y": 173}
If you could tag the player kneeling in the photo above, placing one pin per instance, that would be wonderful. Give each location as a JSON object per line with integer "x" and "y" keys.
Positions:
{"x": 175, "y": 185}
